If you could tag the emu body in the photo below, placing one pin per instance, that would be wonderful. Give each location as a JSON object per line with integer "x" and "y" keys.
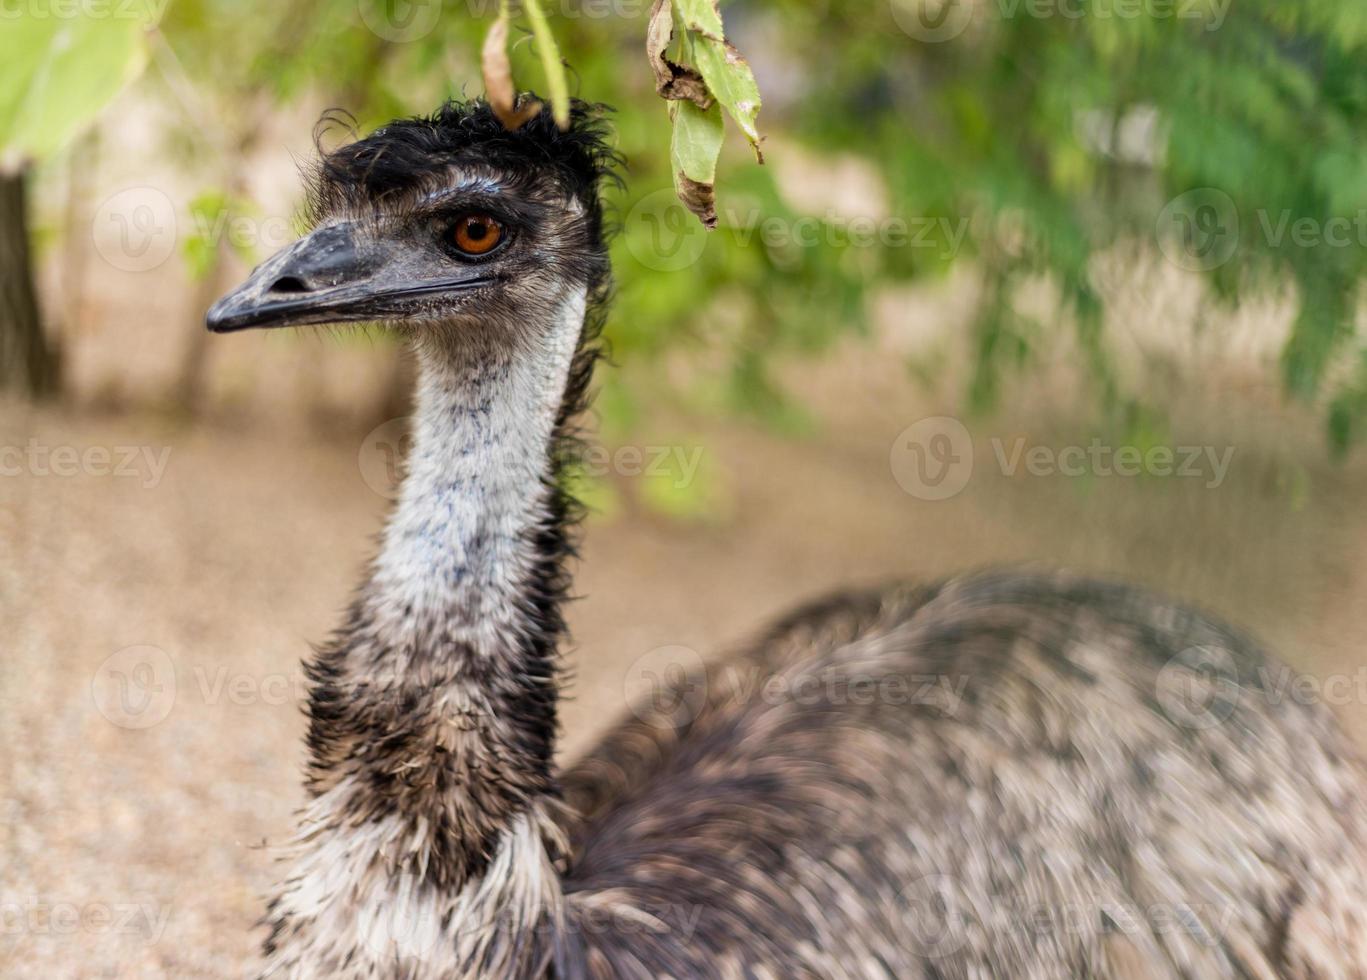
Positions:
{"x": 1002, "y": 775}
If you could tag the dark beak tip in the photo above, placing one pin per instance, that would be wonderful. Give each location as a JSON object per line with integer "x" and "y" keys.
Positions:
{"x": 218, "y": 318}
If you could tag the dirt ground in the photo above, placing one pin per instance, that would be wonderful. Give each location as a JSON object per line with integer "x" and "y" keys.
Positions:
{"x": 152, "y": 625}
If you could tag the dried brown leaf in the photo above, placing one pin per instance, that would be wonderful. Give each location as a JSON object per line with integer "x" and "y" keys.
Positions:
{"x": 672, "y": 81}
{"x": 498, "y": 78}
{"x": 698, "y": 197}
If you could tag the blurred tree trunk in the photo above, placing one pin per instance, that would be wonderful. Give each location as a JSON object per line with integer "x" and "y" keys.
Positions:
{"x": 81, "y": 172}
{"x": 26, "y": 362}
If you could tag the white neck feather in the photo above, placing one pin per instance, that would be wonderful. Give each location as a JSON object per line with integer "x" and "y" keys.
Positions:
{"x": 456, "y": 546}
{"x": 454, "y": 557}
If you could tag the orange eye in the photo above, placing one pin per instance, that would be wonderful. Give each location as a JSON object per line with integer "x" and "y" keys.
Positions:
{"x": 476, "y": 234}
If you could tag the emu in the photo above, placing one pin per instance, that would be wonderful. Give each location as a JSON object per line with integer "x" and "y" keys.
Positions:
{"x": 1115, "y": 791}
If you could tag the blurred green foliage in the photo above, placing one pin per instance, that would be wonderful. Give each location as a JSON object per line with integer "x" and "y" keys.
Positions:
{"x": 1021, "y": 136}
{"x": 1023, "y": 115}
{"x": 57, "y": 73}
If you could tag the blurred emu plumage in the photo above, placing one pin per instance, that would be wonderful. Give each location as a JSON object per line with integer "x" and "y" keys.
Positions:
{"x": 1000, "y": 775}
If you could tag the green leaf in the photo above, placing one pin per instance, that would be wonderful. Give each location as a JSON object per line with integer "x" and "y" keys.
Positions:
{"x": 696, "y": 142}
{"x": 556, "y": 85}
{"x": 693, "y": 151}
{"x": 58, "y": 73}
{"x": 726, "y": 73}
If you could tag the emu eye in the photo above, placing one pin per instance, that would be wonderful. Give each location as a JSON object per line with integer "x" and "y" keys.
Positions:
{"x": 476, "y": 234}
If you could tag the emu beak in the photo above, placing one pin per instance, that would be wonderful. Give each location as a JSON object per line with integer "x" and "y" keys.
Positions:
{"x": 331, "y": 276}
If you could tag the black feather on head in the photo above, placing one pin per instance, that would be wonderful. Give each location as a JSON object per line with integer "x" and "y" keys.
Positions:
{"x": 412, "y": 156}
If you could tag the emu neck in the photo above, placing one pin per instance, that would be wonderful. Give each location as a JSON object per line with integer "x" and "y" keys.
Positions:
{"x": 456, "y": 579}
{"x": 462, "y": 606}
{"x": 433, "y": 712}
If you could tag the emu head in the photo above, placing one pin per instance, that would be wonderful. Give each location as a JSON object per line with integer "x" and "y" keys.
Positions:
{"x": 444, "y": 224}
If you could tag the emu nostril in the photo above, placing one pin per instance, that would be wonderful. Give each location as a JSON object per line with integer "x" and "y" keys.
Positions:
{"x": 288, "y": 284}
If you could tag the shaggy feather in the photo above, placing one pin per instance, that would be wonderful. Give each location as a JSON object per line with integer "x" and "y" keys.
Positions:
{"x": 992, "y": 776}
